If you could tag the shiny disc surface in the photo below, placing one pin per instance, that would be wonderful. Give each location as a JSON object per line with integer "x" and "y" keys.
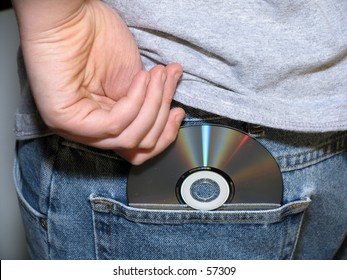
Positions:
{"x": 252, "y": 171}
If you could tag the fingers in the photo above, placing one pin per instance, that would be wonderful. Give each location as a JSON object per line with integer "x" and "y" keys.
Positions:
{"x": 169, "y": 134}
{"x": 166, "y": 126}
{"x": 174, "y": 72}
{"x": 138, "y": 126}
{"x": 144, "y": 132}
{"x": 87, "y": 118}
{"x": 134, "y": 134}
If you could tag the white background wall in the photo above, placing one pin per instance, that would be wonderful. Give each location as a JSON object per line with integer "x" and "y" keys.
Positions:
{"x": 12, "y": 240}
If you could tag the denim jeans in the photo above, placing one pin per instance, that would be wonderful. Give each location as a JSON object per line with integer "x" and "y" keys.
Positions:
{"x": 74, "y": 205}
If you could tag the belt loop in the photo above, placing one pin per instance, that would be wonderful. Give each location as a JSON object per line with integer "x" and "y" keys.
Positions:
{"x": 254, "y": 130}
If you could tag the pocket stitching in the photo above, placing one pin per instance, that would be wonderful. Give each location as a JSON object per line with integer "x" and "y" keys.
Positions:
{"x": 191, "y": 216}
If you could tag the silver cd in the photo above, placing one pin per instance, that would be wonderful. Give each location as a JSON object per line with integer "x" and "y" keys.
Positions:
{"x": 208, "y": 166}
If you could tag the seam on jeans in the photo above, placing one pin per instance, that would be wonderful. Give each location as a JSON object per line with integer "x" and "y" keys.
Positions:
{"x": 37, "y": 216}
{"x": 297, "y": 236}
{"x": 95, "y": 236}
{"x": 274, "y": 216}
{"x": 204, "y": 119}
{"x": 17, "y": 178}
{"x": 244, "y": 220}
{"x": 98, "y": 152}
{"x": 341, "y": 247}
{"x": 284, "y": 240}
{"x": 56, "y": 150}
{"x": 304, "y": 159}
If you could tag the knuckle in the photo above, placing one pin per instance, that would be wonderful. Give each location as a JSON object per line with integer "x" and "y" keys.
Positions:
{"x": 131, "y": 144}
{"x": 114, "y": 131}
{"x": 148, "y": 143}
{"x": 158, "y": 68}
{"x": 115, "y": 128}
{"x": 167, "y": 99}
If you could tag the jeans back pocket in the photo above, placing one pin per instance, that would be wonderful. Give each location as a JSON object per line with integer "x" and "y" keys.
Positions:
{"x": 123, "y": 232}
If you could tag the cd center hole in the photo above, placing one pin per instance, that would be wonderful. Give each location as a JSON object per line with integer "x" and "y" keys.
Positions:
{"x": 205, "y": 190}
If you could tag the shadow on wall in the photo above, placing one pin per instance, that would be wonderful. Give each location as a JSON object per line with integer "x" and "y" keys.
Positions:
{"x": 12, "y": 240}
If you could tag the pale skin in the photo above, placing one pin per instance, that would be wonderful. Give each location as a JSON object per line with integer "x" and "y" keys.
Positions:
{"x": 89, "y": 83}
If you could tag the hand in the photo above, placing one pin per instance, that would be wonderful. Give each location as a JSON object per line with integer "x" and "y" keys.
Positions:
{"x": 89, "y": 83}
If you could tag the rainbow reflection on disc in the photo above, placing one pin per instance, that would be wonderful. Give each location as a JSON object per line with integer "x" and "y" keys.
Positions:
{"x": 249, "y": 170}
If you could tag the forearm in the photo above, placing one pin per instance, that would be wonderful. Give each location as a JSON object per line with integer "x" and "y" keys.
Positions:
{"x": 37, "y": 16}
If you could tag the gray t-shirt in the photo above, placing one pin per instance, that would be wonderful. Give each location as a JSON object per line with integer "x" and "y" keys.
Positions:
{"x": 277, "y": 63}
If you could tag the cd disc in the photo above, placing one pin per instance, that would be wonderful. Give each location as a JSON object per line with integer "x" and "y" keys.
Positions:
{"x": 208, "y": 166}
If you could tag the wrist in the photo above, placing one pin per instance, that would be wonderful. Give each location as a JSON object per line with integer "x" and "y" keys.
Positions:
{"x": 37, "y": 16}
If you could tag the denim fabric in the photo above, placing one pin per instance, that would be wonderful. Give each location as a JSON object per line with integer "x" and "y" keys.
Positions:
{"x": 74, "y": 205}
